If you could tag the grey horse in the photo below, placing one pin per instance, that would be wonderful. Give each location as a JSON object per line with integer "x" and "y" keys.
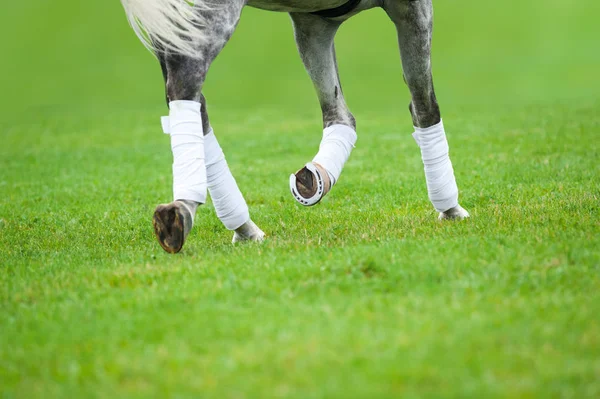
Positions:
{"x": 186, "y": 38}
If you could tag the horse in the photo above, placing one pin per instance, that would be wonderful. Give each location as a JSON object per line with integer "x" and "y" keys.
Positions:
{"x": 186, "y": 36}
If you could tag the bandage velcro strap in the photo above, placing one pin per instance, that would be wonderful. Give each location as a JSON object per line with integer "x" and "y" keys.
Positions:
{"x": 165, "y": 122}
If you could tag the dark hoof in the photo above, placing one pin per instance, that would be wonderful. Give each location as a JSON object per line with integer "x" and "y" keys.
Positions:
{"x": 310, "y": 184}
{"x": 169, "y": 226}
{"x": 306, "y": 183}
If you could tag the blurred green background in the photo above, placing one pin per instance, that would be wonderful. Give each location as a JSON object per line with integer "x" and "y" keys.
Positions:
{"x": 74, "y": 55}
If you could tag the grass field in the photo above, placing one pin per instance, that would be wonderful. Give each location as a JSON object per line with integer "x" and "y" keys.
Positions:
{"x": 365, "y": 295}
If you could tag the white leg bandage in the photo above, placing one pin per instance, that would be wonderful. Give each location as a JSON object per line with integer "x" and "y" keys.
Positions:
{"x": 336, "y": 146}
{"x": 184, "y": 124}
{"x": 441, "y": 184}
{"x": 226, "y": 196}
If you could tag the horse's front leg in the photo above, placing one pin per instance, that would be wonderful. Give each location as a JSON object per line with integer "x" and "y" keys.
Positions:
{"x": 414, "y": 23}
{"x": 314, "y": 37}
{"x": 198, "y": 161}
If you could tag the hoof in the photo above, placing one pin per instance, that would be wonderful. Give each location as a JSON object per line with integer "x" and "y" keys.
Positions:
{"x": 310, "y": 184}
{"x": 456, "y": 213}
{"x": 248, "y": 232}
{"x": 172, "y": 223}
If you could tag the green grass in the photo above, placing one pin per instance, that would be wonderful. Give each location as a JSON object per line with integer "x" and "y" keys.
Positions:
{"x": 365, "y": 295}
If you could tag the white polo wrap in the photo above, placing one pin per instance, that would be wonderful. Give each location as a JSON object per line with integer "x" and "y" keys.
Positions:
{"x": 336, "y": 145}
{"x": 184, "y": 124}
{"x": 441, "y": 184}
{"x": 227, "y": 198}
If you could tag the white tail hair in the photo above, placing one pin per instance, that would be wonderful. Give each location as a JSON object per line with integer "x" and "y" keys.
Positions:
{"x": 162, "y": 25}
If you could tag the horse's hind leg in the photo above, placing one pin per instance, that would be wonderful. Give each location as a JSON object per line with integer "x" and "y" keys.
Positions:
{"x": 314, "y": 37}
{"x": 226, "y": 196}
{"x": 198, "y": 161}
{"x": 414, "y": 22}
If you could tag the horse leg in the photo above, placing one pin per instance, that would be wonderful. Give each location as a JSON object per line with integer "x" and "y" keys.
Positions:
{"x": 227, "y": 198}
{"x": 314, "y": 38}
{"x": 193, "y": 169}
{"x": 414, "y": 23}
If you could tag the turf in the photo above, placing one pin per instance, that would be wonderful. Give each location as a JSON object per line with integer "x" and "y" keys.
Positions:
{"x": 365, "y": 295}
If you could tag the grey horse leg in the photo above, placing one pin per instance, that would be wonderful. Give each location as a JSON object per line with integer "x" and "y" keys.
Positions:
{"x": 184, "y": 78}
{"x": 414, "y": 23}
{"x": 162, "y": 59}
{"x": 315, "y": 40}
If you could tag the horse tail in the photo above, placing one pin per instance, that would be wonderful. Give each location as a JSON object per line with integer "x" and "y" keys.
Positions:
{"x": 161, "y": 25}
